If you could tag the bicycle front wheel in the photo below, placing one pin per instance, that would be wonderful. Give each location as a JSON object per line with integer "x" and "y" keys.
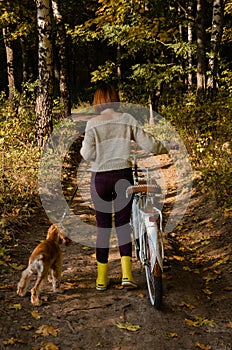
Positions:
{"x": 153, "y": 278}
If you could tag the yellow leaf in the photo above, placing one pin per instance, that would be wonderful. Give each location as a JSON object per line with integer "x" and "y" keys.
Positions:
{"x": 46, "y": 330}
{"x": 118, "y": 286}
{"x": 189, "y": 306}
{"x": 86, "y": 249}
{"x": 12, "y": 341}
{"x": 35, "y": 314}
{"x": 171, "y": 335}
{"x": 128, "y": 326}
{"x": 49, "y": 346}
{"x": 203, "y": 346}
{"x": 177, "y": 257}
{"x": 15, "y": 306}
{"x": 207, "y": 291}
{"x": 141, "y": 295}
{"x": 17, "y": 267}
{"x": 199, "y": 322}
{"x": 186, "y": 268}
{"x": 229, "y": 324}
{"x": 27, "y": 328}
{"x": 190, "y": 322}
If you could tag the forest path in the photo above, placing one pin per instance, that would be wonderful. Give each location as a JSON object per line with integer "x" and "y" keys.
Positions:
{"x": 196, "y": 311}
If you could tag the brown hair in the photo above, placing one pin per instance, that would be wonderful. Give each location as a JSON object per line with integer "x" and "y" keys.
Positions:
{"x": 104, "y": 96}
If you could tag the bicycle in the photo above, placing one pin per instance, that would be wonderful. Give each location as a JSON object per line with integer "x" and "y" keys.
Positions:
{"x": 146, "y": 223}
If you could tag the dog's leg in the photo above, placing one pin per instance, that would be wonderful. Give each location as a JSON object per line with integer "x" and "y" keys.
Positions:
{"x": 24, "y": 281}
{"x": 35, "y": 291}
{"x": 56, "y": 275}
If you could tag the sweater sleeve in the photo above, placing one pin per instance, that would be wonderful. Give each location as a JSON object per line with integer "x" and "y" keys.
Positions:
{"x": 147, "y": 142}
{"x": 88, "y": 145}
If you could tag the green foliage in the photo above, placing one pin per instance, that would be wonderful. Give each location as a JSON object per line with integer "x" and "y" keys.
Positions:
{"x": 19, "y": 155}
{"x": 206, "y": 131}
{"x": 104, "y": 73}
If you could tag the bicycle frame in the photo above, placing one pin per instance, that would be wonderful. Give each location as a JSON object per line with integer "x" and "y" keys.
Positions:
{"x": 146, "y": 222}
{"x": 141, "y": 222}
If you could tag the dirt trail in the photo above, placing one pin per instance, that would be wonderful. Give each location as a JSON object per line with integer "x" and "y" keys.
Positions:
{"x": 196, "y": 311}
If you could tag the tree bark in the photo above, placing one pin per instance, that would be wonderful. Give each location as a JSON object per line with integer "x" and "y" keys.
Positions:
{"x": 201, "y": 48}
{"x": 216, "y": 35}
{"x": 190, "y": 40}
{"x": 63, "y": 72}
{"x": 9, "y": 61}
{"x": 45, "y": 69}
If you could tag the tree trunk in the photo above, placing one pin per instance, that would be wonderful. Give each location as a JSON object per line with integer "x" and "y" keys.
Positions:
{"x": 9, "y": 61}
{"x": 190, "y": 40}
{"x": 63, "y": 76}
{"x": 216, "y": 35}
{"x": 201, "y": 66}
{"x": 45, "y": 69}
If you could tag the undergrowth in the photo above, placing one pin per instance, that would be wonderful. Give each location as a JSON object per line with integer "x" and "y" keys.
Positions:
{"x": 205, "y": 130}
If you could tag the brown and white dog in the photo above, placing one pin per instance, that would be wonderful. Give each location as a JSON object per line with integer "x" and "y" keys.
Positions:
{"x": 46, "y": 261}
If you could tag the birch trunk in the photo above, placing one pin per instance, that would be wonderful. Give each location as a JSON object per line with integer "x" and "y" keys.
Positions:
{"x": 9, "y": 62}
{"x": 216, "y": 35}
{"x": 201, "y": 66}
{"x": 45, "y": 70}
{"x": 63, "y": 71}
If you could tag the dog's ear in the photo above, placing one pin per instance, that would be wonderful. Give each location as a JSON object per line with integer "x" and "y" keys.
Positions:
{"x": 51, "y": 231}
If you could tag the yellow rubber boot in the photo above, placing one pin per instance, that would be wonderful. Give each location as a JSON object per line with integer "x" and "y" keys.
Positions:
{"x": 102, "y": 280}
{"x": 127, "y": 278}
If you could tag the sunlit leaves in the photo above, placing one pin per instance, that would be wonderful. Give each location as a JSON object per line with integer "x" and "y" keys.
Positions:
{"x": 128, "y": 326}
{"x": 200, "y": 322}
{"x": 46, "y": 330}
{"x": 36, "y": 314}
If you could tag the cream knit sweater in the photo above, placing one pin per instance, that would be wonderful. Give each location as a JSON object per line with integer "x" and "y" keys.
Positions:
{"x": 108, "y": 139}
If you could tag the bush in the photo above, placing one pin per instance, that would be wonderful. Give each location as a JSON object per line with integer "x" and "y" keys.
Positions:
{"x": 206, "y": 132}
{"x": 19, "y": 154}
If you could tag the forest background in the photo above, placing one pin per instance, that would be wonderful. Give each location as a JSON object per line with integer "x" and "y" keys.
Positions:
{"x": 173, "y": 57}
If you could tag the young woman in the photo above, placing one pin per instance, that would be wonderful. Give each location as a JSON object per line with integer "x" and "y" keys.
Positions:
{"x": 107, "y": 143}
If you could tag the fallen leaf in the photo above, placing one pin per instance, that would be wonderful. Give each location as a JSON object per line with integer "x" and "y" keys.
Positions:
{"x": 12, "y": 341}
{"x": 203, "y": 346}
{"x": 17, "y": 267}
{"x": 187, "y": 268}
{"x": 46, "y": 330}
{"x": 141, "y": 295}
{"x": 11, "y": 286}
{"x": 15, "y": 306}
{"x": 200, "y": 322}
{"x": 189, "y": 306}
{"x": 99, "y": 345}
{"x": 177, "y": 257}
{"x": 128, "y": 326}
{"x": 86, "y": 249}
{"x": 207, "y": 291}
{"x": 172, "y": 335}
{"x": 118, "y": 286}
{"x": 36, "y": 314}
{"x": 229, "y": 324}
{"x": 48, "y": 346}
{"x": 27, "y": 328}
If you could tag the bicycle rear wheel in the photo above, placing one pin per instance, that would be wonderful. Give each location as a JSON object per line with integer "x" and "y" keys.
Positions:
{"x": 153, "y": 279}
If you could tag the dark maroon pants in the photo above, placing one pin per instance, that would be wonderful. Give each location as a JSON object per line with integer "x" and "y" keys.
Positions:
{"x": 108, "y": 192}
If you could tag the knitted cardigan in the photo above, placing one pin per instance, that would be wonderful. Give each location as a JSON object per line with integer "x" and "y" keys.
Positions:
{"x": 107, "y": 141}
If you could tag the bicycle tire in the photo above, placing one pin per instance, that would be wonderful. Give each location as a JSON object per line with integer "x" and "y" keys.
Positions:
{"x": 153, "y": 279}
